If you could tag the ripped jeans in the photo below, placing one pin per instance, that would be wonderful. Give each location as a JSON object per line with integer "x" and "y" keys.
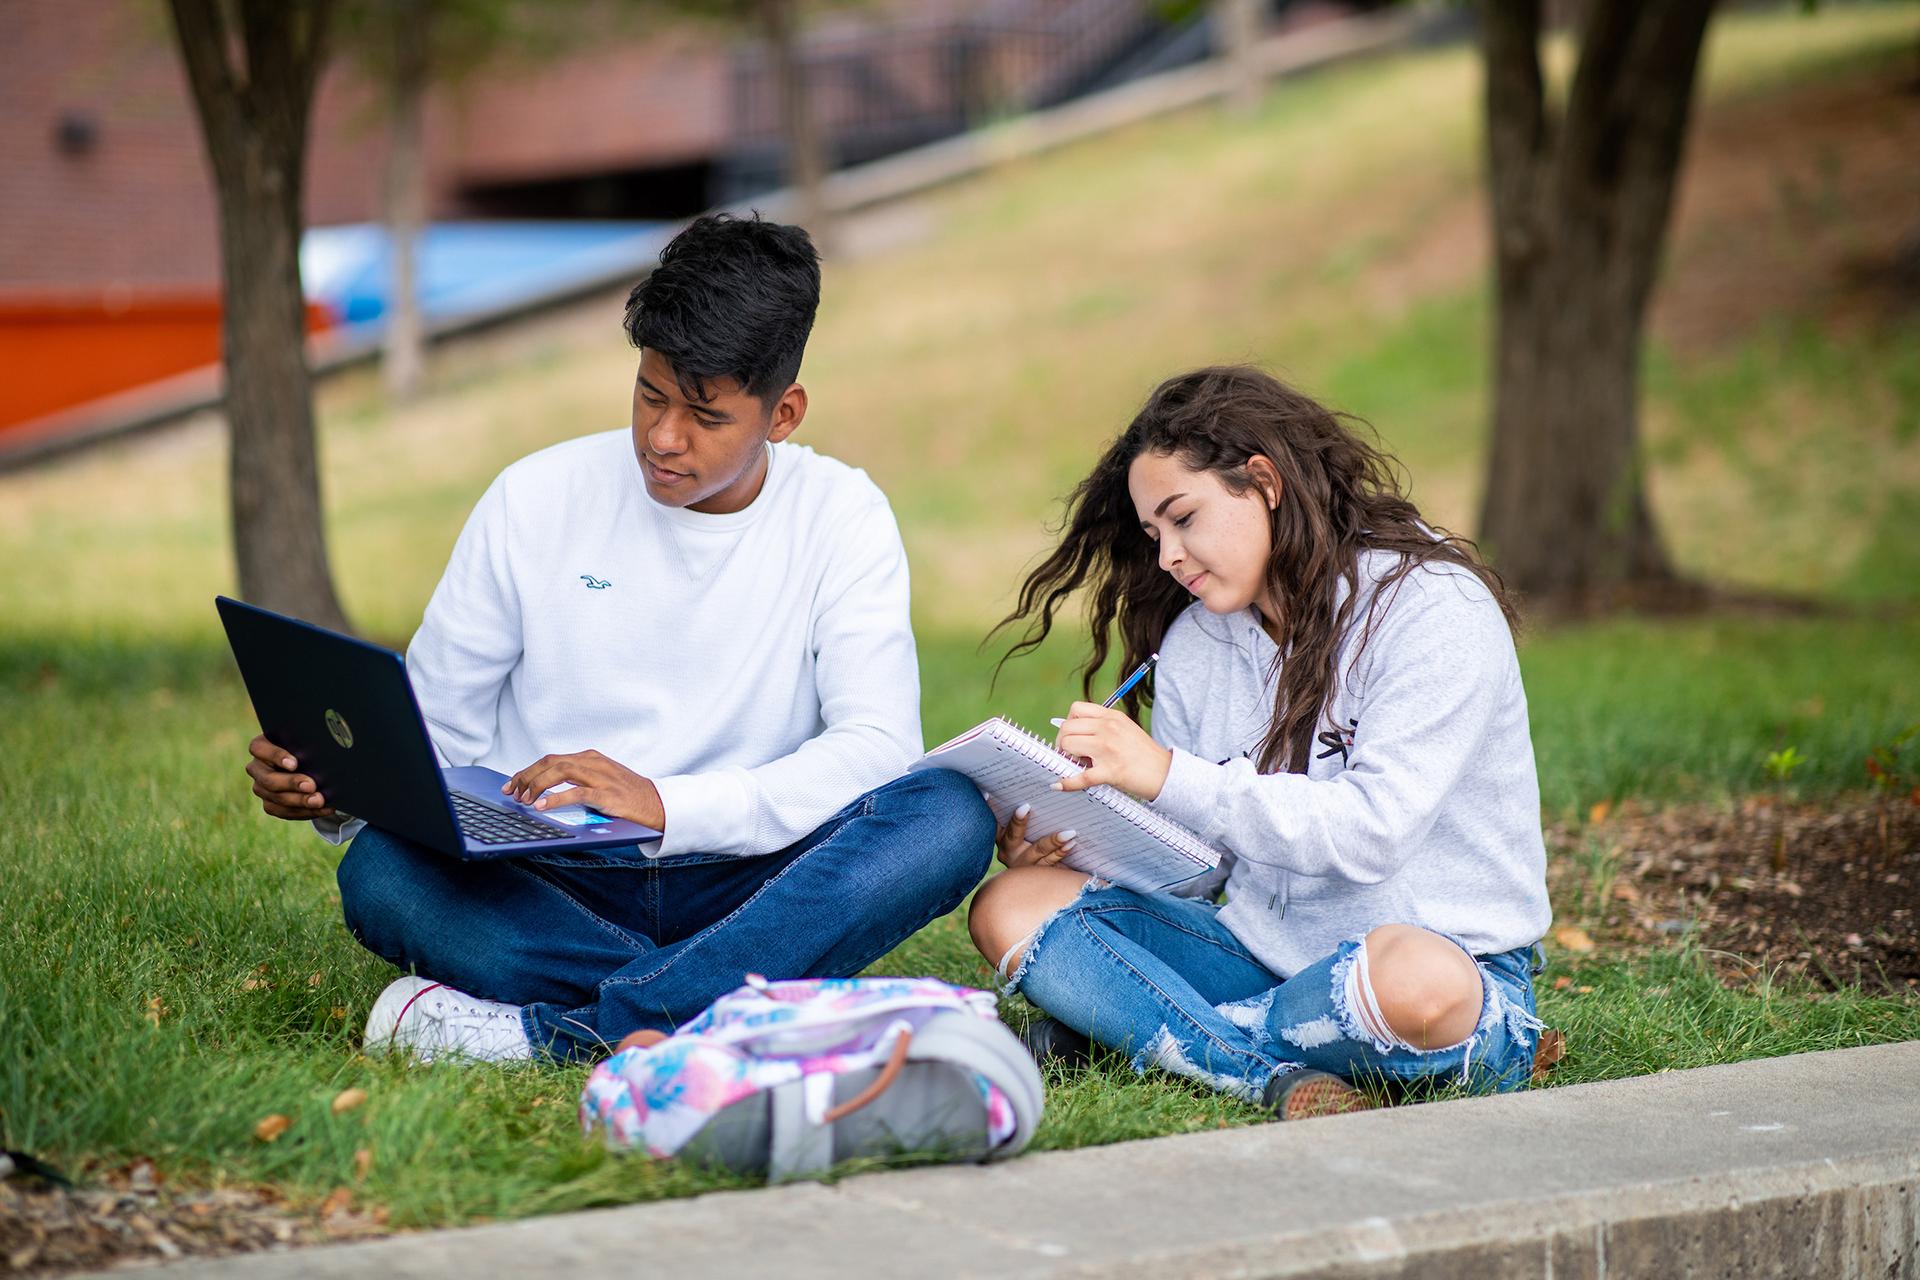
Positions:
{"x": 1161, "y": 980}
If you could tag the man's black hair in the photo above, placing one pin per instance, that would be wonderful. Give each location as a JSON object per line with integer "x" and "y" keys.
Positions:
{"x": 731, "y": 298}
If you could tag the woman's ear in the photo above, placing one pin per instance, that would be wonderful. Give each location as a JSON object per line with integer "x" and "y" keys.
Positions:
{"x": 1267, "y": 476}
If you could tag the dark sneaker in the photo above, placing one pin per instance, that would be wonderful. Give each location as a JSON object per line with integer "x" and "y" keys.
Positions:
{"x": 1051, "y": 1040}
{"x": 1304, "y": 1094}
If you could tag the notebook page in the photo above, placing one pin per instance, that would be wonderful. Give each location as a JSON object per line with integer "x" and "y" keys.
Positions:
{"x": 1119, "y": 838}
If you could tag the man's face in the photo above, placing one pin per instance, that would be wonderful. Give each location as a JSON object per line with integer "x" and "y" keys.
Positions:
{"x": 705, "y": 455}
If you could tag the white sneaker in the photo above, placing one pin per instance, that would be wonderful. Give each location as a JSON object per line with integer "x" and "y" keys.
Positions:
{"x": 432, "y": 1021}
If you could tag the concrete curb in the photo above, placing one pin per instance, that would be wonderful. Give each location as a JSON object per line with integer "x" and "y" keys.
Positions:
{"x": 1796, "y": 1166}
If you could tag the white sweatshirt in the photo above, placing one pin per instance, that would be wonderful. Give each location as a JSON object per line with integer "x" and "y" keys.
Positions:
{"x": 759, "y": 667}
{"x": 1424, "y": 809}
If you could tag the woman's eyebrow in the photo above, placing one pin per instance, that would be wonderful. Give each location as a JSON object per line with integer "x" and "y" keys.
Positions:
{"x": 1169, "y": 501}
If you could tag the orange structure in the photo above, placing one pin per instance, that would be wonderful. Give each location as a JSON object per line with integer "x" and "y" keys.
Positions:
{"x": 62, "y": 349}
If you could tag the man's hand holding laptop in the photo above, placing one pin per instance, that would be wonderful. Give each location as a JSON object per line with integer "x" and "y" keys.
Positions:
{"x": 283, "y": 792}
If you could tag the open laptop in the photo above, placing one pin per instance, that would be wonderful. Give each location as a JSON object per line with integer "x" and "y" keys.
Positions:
{"x": 344, "y": 709}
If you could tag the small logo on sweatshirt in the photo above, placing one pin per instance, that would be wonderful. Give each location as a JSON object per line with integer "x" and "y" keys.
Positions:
{"x": 1338, "y": 743}
{"x": 593, "y": 583}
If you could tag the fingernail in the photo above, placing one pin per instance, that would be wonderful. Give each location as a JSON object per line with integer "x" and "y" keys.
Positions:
{"x": 1056, "y": 787}
{"x": 506, "y": 786}
{"x": 1023, "y": 811}
{"x": 1066, "y": 837}
{"x": 286, "y": 762}
{"x": 315, "y": 800}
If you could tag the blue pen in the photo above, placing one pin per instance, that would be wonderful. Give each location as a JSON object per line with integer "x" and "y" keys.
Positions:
{"x": 1139, "y": 674}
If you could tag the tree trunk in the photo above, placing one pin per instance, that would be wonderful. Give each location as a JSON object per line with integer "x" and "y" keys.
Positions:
{"x": 1236, "y": 34}
{"x": 806, "y": 152}
{"x": 403, "y": 357}
{"x": 254, "y": 117}
{"x": 1580, "y": 209}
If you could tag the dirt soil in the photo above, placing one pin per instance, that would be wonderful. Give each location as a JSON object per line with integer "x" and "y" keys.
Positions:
{"x": 1845, "y": 909}
{"x": 128, "y": 1216}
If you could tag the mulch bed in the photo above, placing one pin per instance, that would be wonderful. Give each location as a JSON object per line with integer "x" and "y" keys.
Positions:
{"x": 1843, "y": 910}
{"x": 126, "y": 1216}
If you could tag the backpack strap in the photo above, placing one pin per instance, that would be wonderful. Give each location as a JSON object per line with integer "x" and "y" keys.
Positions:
{"x": 797, "y": 1148}
{"x": 989, "y": 1048}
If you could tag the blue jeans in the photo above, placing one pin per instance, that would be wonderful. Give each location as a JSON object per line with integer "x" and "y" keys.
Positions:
{"x": 1160, "y": 979}
{"x": 600, "y": 944}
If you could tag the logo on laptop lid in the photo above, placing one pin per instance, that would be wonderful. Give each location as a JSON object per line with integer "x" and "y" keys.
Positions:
{"x": 337, "y": 726}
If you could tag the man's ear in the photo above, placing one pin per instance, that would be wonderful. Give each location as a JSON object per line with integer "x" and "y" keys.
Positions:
{"x": 788, "y": 411}
{"x": 1267, "y": 477}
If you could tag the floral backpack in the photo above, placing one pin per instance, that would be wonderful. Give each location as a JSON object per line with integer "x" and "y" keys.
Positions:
{"x": 788, "y": 1078}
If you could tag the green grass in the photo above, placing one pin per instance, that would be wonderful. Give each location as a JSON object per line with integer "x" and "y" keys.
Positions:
{"x": 135, "y": 868}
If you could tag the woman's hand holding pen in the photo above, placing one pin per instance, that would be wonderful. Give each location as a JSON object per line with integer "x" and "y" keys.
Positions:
{"x": 1015, "y": 850}
{"x": 1119, "y": 753}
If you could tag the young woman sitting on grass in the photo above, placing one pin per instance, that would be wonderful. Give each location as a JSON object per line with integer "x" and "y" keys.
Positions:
{"x": 1338, "y": 706}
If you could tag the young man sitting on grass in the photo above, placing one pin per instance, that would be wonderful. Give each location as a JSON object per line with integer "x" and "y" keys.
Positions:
{"x": 702, "y": 628}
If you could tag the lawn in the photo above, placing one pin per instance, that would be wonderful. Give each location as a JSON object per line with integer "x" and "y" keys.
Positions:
{"x": 174, "y": 964}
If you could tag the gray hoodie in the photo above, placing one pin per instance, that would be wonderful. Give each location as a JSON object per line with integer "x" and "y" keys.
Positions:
{"x": 1421, "y": 808}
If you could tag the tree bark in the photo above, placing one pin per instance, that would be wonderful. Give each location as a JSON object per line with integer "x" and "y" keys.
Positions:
{"x": 254, "y": 92}
{"x": 1580, "y": 208}
{"x": 1236, "y": 34}
{"x": 403, "y": 355}
{"x": 806, "y": 151}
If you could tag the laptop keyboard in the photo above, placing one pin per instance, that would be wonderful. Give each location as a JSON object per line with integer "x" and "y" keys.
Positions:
{"x": 484, "y": 824}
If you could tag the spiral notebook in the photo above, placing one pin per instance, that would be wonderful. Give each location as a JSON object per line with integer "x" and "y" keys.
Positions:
{"x": 1120, "y": 839}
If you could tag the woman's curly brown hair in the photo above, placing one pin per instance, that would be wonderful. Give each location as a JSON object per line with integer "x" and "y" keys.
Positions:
{"x": 1340, "y": 497}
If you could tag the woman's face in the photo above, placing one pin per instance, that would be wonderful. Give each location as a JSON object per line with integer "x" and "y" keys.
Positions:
{"x": 1213, "y": 541}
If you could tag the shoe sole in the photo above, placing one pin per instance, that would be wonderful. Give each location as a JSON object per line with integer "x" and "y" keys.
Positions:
{"x": 1311, "y": 1099}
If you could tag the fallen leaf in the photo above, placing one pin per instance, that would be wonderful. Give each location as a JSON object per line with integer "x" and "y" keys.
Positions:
{"x": 1598, "y": 813}
{"x": 1562, "y": 983}
{"x": 1625, "y": 892}
{"x": 255, "y": 984}
{"x": 313, "y": 980}
{"x": 271, "y": 1127}
{"x": 338, "y": 1013}
{"x": 1581, "y": 991}
{"x": 156, "y": 1011}
{"x": 348, "y": 1099}
{"x": 362, "y": 1161}
{"x": 338, "y": 1201}
{"x": 1573, "y": 939}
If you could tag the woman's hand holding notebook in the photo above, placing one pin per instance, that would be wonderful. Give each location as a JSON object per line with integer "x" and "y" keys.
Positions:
{"x": 1120, "y": 838}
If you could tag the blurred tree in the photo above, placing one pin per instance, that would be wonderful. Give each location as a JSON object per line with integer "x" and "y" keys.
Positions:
{"x": 1580, "y": 201}
{"x": 252, "y": 66}
{"x": 806, "y": 146}
{"x": 406, "y": 47}
{"x": 1237, "y": 29}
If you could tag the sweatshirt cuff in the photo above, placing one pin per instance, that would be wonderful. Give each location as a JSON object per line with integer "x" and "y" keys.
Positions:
{"x": 1190, "y": 795}
{"x": 705, "y": 812}
{"x": 340, "y": 829}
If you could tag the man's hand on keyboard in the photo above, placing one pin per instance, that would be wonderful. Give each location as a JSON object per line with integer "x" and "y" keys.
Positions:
{"x": 606, "y": 785}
